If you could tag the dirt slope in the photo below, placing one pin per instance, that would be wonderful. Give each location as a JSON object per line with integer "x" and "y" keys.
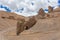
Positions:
{"x": 44, "y": 29}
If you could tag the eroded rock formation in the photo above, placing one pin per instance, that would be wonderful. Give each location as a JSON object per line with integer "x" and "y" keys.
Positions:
{"x": 24, "y": 25}
{"x": 41, "y": 14}
{"x": 50, "y": 9}
{"x": 19, "y": 26}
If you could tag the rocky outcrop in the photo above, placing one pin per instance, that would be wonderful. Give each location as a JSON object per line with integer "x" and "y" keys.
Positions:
{"x": 40, "y": 29}
{"x": 50, "y": 9}
{"x": 24, "y": 25}
{"x": 20, "y": 26}
{"x": 40, "y": 14}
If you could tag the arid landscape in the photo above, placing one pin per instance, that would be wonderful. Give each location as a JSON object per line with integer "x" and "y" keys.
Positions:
{"x": 47, "y": 26}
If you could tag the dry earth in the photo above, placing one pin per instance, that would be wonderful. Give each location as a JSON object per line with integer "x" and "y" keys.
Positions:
{"x": 44, "y": 29}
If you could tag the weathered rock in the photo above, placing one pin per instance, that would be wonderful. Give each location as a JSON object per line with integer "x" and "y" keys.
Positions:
{"x": 28, "y": 24}
{"x": 3, "y": 17}
{"x": 41, "y": 14}
{"x": 44, "y": 29}
{"x": 24, "y": 25}
{"x": 50, "y": 9}
{"x": 20, "y": 19}
{"x": 19, "y": 26}
{"x": 11, "y": 17}
{"x": 47, "y": 15}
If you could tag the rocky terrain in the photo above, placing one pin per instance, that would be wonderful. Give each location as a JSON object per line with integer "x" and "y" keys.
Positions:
{"x": 45, "y": 29}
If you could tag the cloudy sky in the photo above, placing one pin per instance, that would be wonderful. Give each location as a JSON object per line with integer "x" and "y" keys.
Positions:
{"x": 28, "y": 7}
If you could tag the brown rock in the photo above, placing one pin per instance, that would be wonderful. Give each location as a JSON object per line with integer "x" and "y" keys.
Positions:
{"x": 21, "y": 25}
{"x": 3, "y": 17}
{"x": 8, "y": 15}
{"x": 11, "y": 17}
{"x": 57, "y": 9}
{"x": 47, "y": 15}
{"x": 50, "y": 9}
{"x": 41, "y": 13}
{"x": 28, "y": 24}
{"x": 20, "y": 19}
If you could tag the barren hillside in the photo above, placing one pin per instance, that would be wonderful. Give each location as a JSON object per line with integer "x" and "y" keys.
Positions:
{"x": 44, "y": 29}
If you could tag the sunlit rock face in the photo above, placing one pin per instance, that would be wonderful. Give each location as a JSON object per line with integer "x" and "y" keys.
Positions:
{"x": 27, "y": 7}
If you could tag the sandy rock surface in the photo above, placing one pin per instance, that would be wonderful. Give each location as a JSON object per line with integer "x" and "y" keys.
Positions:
{"x": 44, "y": 29}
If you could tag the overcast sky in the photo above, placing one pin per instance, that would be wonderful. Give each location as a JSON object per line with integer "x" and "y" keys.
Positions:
{"x": 28, "y": 5}
{"x": 13, "y": 4}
